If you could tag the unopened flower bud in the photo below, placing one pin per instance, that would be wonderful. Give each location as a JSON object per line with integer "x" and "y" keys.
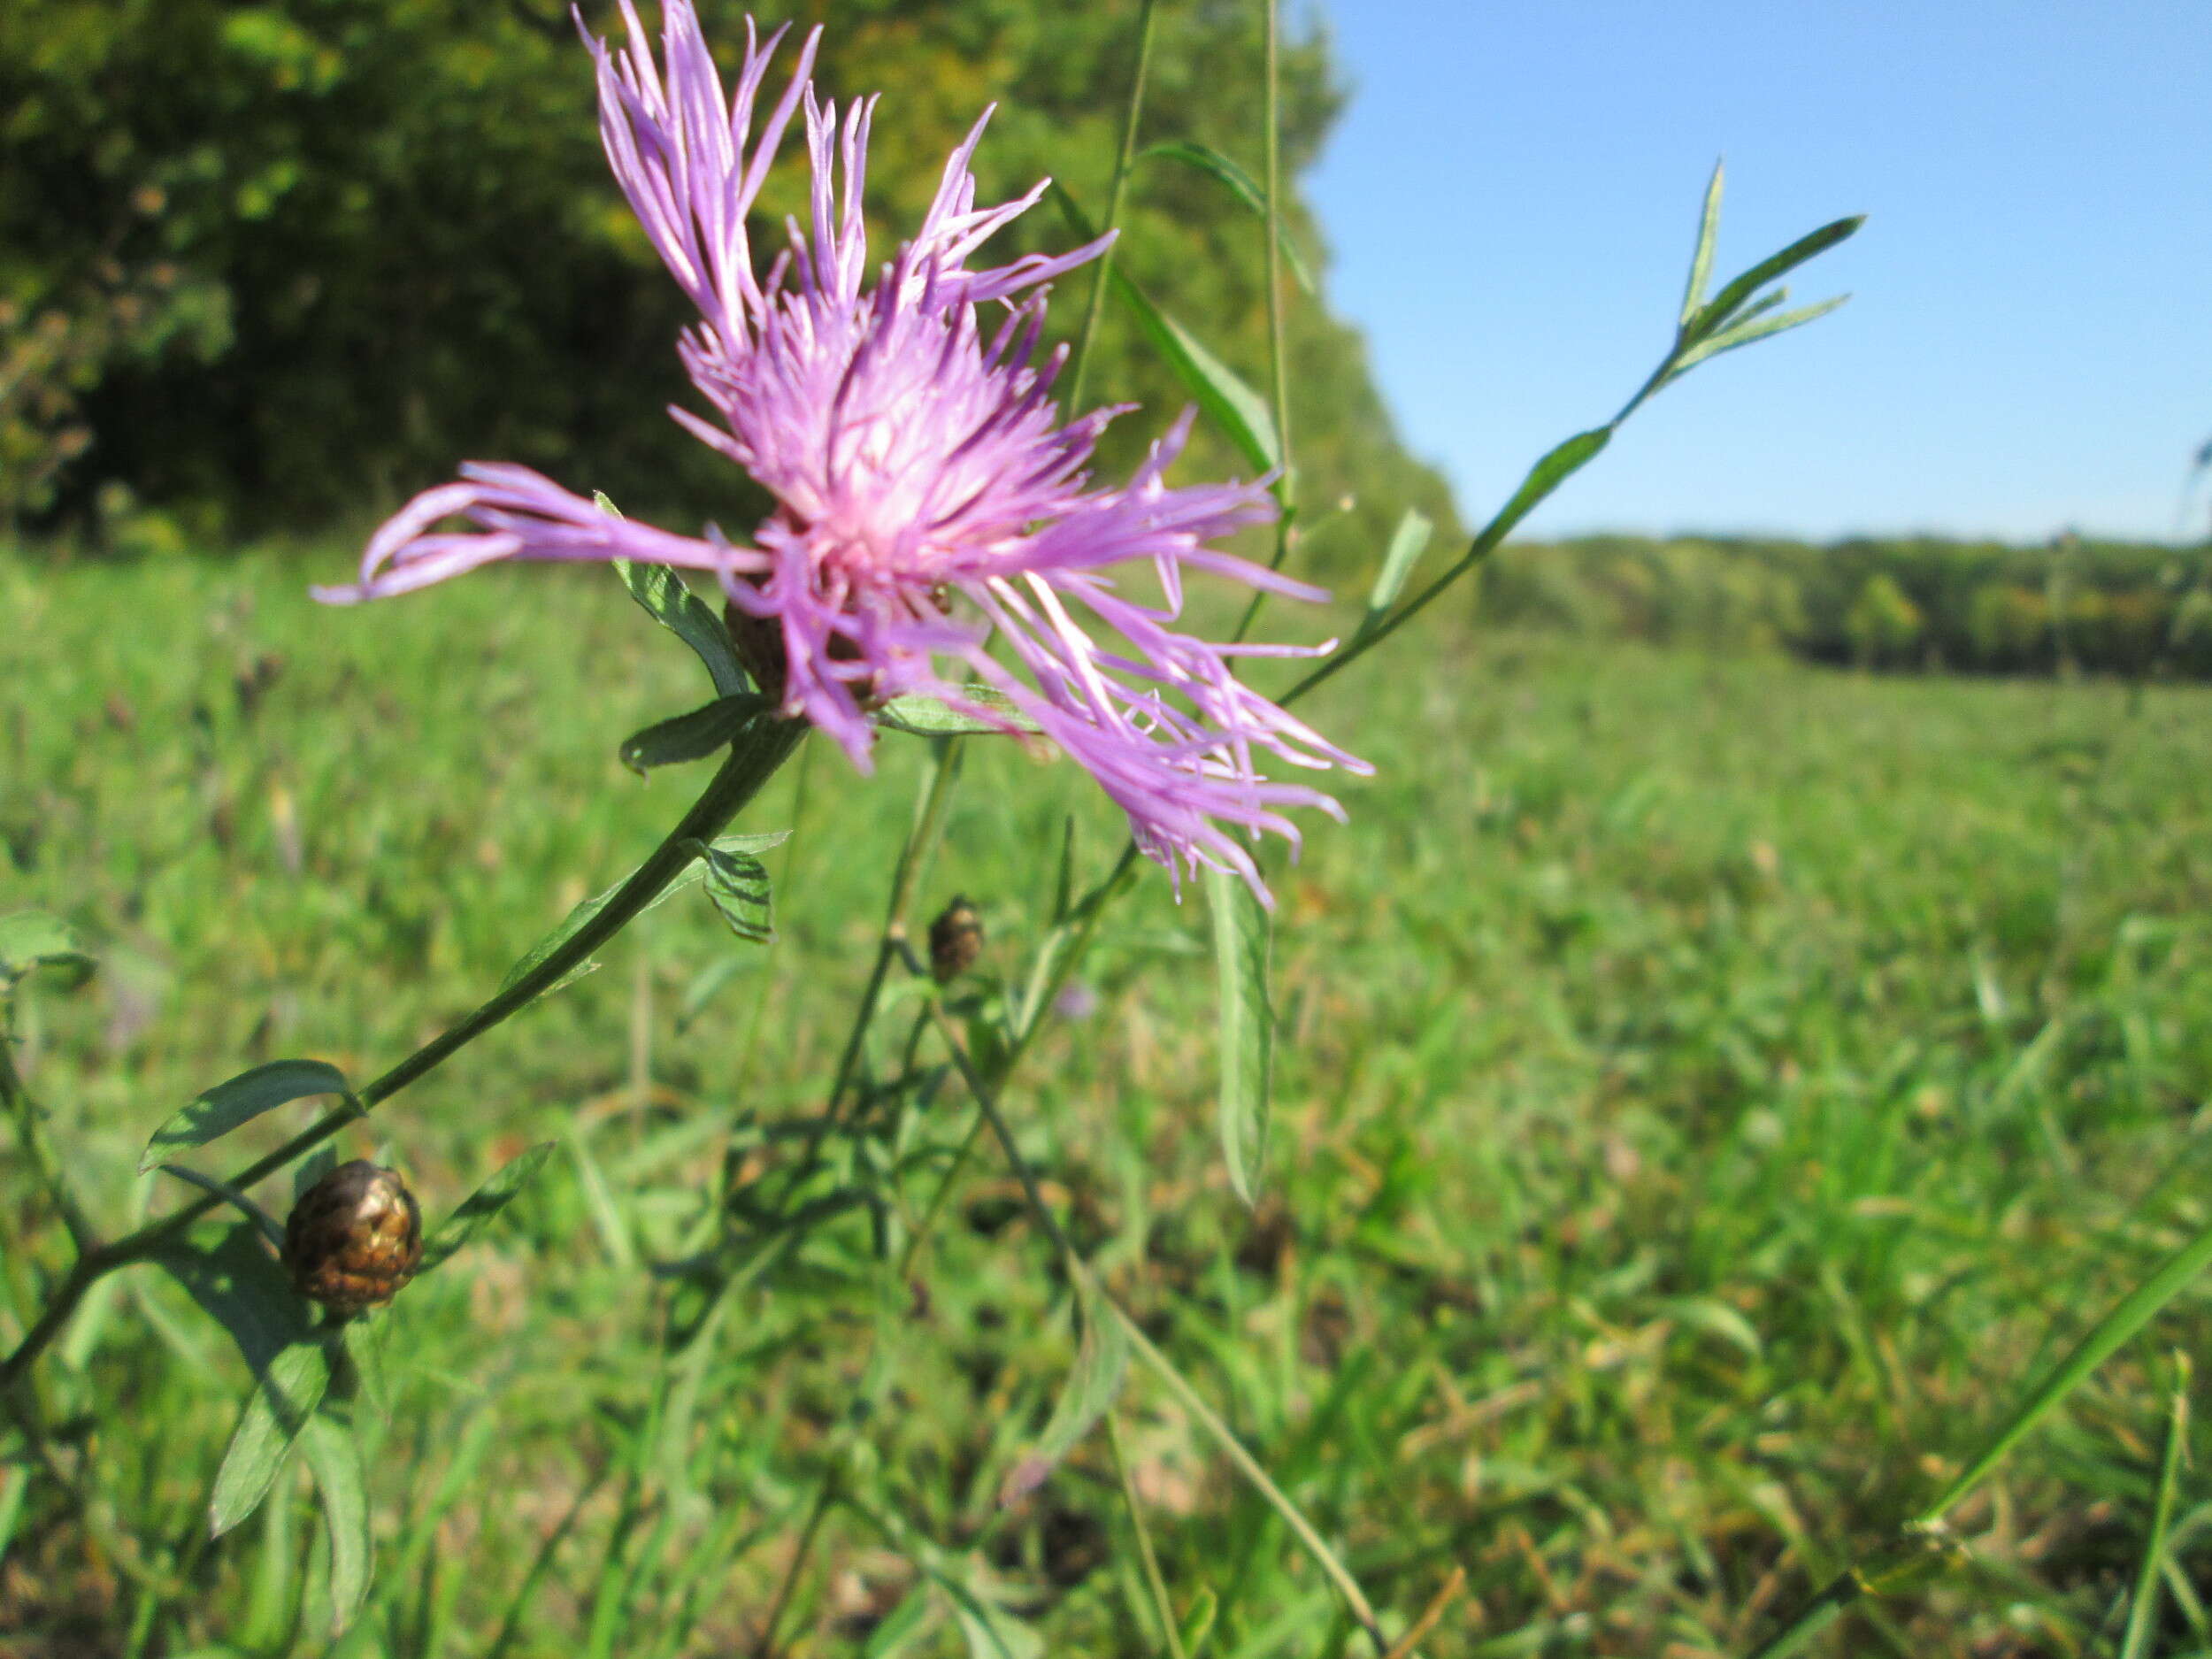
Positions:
{"x": 354, "y": 1238}
{"x": 955, "y": 939}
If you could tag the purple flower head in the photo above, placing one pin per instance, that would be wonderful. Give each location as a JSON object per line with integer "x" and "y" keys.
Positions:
{"x": 928, "y": 497}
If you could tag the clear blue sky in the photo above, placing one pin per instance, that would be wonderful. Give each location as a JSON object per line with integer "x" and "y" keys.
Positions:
{"x": 1511, "y": 198}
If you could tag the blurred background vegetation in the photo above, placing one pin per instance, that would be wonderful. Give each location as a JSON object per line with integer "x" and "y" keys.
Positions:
{"x": 2132, "y": 608}
{"x": 273, "y": 267}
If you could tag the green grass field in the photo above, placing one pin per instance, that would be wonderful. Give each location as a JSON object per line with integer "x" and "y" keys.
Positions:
{"x": 1710, "y": 1091}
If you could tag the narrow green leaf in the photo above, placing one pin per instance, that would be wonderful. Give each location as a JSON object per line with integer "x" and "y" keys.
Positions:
{"x": 1241, "y": 184}
{"x": 989, "y": 1631}
{"x": 365, "y": 1339}
{"x": 1745, "y": 332}
{"x": 1715, "y": 1318}
{"x": 2142, "y": 1606}
{"x": 308, "y": 1170}
{"x": 269, "y": 1226}
{"x": 1198, "y": 1623}
{"x": 277, "y": 1410}
{"x": 710, "y": 983}
{"x": 667, "y": 598}
{"x": 1779, "y": 294}
{"x": 239, "y": 1285}
{"x": 930, "y": 716}
{"x": 2132, "y": 1312}
{"x": 1248, "y": 1027}
{"x": 15, "y": 1480}
{"x": 694, "y": 736}
{"x": 738, "y": 884}
{"x": 31, "y": 940}
{"x": 333, "y": 1457}
{"x": 906, "y": 1625}
{"x": 1407, "y": 541}
{"x": 245, "y": 1097}
{"x": 606, "y": 1215}
{"x": 1726, "y": 303}
{"x": 1230, "y": 403}
{"x": 478, "y": 1211}
{"x": 267, "y": 1625}
{"x": 1242, "y": 413}
{"x": 1562, "y": 462}
{"x": 589, "y": 908}
{"x": 1101, "y": 1364}
{"x": 1064, "y": 877}
{"x": 1702, "y": 260}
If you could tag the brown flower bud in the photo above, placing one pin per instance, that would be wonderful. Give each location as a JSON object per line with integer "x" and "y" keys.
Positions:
{"x": 354, "y": 1238}
{"x": 955, "y": 939}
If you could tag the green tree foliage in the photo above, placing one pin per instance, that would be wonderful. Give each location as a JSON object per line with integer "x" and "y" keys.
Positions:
{"x": 272, "y": 265}
{"x": 2104, "y": 607}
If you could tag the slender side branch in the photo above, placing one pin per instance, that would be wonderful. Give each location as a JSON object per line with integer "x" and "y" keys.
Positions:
{"x": 30, "y": 1133}
{"x": 1156, "y": 1587}
{"x": 754, "y": 756}
{"x": 1193, "y": 1401}
{"x": 1277, "y": 348}
{"x": 1124, "y": 158}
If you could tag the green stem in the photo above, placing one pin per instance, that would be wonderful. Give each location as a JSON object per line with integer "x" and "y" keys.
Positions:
{"x": 1154, "y": 1584}
{"x": 1193, "y": 1401}
{"x": 1124, "y": 158}
{"x": 2142, "y": 1606}
{"x": 38, "y": 1152}
{"x": 822, "y": 1501}
{"x": 754, "y": 754}
{"x": 929, "y": 822}
{"x": 1278, "y": 350}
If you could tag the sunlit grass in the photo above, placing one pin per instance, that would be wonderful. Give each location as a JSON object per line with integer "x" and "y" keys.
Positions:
{"x": 1709, "y": 1087}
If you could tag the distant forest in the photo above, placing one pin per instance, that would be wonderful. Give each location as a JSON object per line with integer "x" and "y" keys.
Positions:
{"x": 271, "y": 267}
{"x": 1910, "y": 604}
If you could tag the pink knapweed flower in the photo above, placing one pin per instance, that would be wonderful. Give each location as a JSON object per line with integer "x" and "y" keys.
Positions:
{"x": 928, "y": 497}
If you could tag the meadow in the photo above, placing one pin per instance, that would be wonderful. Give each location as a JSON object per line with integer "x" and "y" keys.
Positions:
{"x": 1710, "y": 1089}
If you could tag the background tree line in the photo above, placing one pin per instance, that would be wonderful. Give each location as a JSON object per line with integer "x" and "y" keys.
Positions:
{"x": 271, "y": 267}
{"x": 1908, "y": 603}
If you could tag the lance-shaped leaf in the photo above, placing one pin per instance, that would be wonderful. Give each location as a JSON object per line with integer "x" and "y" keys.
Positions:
{"x": 737, "y": 883}
{"x": 284, "y": 1398}
{"x": 1746, "y": 332}
{"x": 1248, "y": 1027}
{"x": 1407, "y": 541}
{"x": 1231, "y": 404}
{"x": 478, "y": 1209}
{"x": 242, "y": 1100}
{"x": 1702, "y": 257}
{"x": 1725, "y": 304}
{"x": 929, "y": 717}
{"x": 1101, "y": 1364}
{"x": 333, "y": 1454}
{"x": 364, "y": 1341}
{"x": 269, "y": 1226}
{"x": 693, "y": 736}
{"x": 1242, "y": 185}
{"x": 32, "y": 939}
{"x": 667, "y": 598}
{"x": 589, "y": 908}
{"x": 240, "y": 1286}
